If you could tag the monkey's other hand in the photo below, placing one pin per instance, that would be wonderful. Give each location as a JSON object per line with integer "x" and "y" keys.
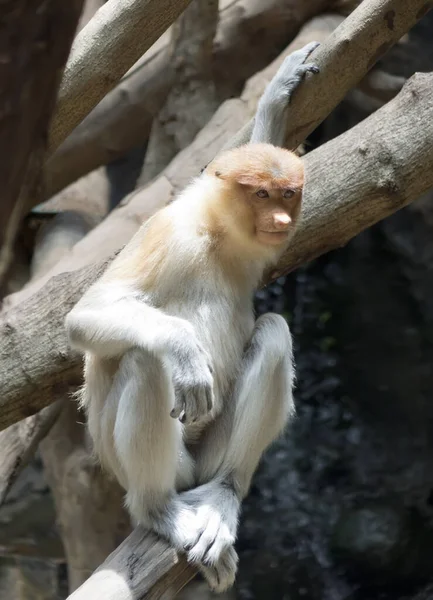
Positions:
{"x": 290, "y": 74}
{"x": 192, "y": 380}
{"x": 221, "y": 576}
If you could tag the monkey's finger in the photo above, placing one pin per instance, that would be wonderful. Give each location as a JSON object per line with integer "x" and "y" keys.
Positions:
{"x": 202, "y": 401}
{"x": 309, "y": 68}
{"x": 206, "y": 539}
{"x": 309, "y": 48}
{"x": 178, "y": 404}
{"x": 293, "y": 61}
{"x": 223, "y": 540}
{"x": 211, "y": 576}
{"x": 221, "y": 576}
{"x": 191, "y": 406}
{"x": 209, "y": 399}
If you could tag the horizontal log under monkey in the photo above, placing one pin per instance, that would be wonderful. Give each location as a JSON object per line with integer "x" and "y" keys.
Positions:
{"x": 183, "y": 388}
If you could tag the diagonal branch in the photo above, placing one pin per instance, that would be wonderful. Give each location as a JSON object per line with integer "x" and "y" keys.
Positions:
{"x": 116, "y": 37}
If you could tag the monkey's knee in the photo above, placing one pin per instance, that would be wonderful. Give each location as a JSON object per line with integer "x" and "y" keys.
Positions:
{"x": 271, "y": 338}
{"x": 134, "y": 361}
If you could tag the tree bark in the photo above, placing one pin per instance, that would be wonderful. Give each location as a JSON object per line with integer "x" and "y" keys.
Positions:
{"x": 143, "y": 566}
{"x": 34, "y": 45}
{"x": 177, "y": 123}
{"x": 390, "y": 165}
{"x": 123, "y": 119}
{"x": 89, "y": 10}
{"x": 102, "y": 52}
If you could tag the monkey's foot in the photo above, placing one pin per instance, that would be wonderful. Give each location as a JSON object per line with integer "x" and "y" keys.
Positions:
{"x": 221, "y": 576}
{"x": 215, "y": 524}
{"x": 175, "y": 522}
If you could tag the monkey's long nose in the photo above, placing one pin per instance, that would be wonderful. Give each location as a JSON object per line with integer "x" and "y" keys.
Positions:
{"x": 281, "y": 220}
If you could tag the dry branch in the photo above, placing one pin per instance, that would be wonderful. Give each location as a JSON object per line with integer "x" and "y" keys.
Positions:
{"x": 18, "y": 444}
{"x": 344, "y": 58}
{"x": 123, "y": 118}
{"x": 116, "y": 37}
{"x": 35, "y": 42}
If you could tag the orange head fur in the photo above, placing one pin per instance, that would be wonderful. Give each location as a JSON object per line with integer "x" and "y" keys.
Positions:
{"x": 260, "y": 193}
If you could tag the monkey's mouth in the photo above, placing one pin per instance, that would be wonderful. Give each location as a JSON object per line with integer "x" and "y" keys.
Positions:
{"x": 273, "y": 237}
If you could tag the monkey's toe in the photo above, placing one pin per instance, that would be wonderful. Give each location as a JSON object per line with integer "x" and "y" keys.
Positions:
{"x": 221, "y": 576}
{"x": 211, "y": 542}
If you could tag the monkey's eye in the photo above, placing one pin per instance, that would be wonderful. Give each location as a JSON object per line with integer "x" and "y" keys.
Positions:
{"x": 288, "y": 193}
{"x": 262, "y": 194}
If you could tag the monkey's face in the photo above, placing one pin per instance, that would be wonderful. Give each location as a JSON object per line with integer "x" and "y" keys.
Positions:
{"x": 275, "y": 213}
{"x": 263, "y": 189}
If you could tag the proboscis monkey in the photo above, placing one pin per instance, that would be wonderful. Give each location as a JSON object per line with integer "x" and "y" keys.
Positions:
{"x": 184, "y": 389}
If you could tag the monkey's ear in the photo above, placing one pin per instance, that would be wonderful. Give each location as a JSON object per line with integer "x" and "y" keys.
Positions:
{"x": 250, "y": 179}
{"x": 240, "y": 176}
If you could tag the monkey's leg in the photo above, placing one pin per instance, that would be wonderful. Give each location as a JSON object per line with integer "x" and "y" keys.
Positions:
{"x": 147, "y": 441}
{"x": 261, "y": 404}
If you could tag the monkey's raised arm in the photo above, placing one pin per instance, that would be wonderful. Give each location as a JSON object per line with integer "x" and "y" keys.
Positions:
{"x": 271, "y": 116}
{"x": 270, "y": 120}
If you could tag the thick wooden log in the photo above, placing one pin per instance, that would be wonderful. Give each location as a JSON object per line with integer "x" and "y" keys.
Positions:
{"x": 143, "y": 566}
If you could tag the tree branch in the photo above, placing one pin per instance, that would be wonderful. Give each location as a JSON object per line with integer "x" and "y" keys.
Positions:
{"x": 18, "y": 444}
{"x": 35, "y": 42}
{"x": 176, "y": 125}
{"x": 116, "y": 37}
{"x": 25, "y": 393}
{"x": 143, "y": 566}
